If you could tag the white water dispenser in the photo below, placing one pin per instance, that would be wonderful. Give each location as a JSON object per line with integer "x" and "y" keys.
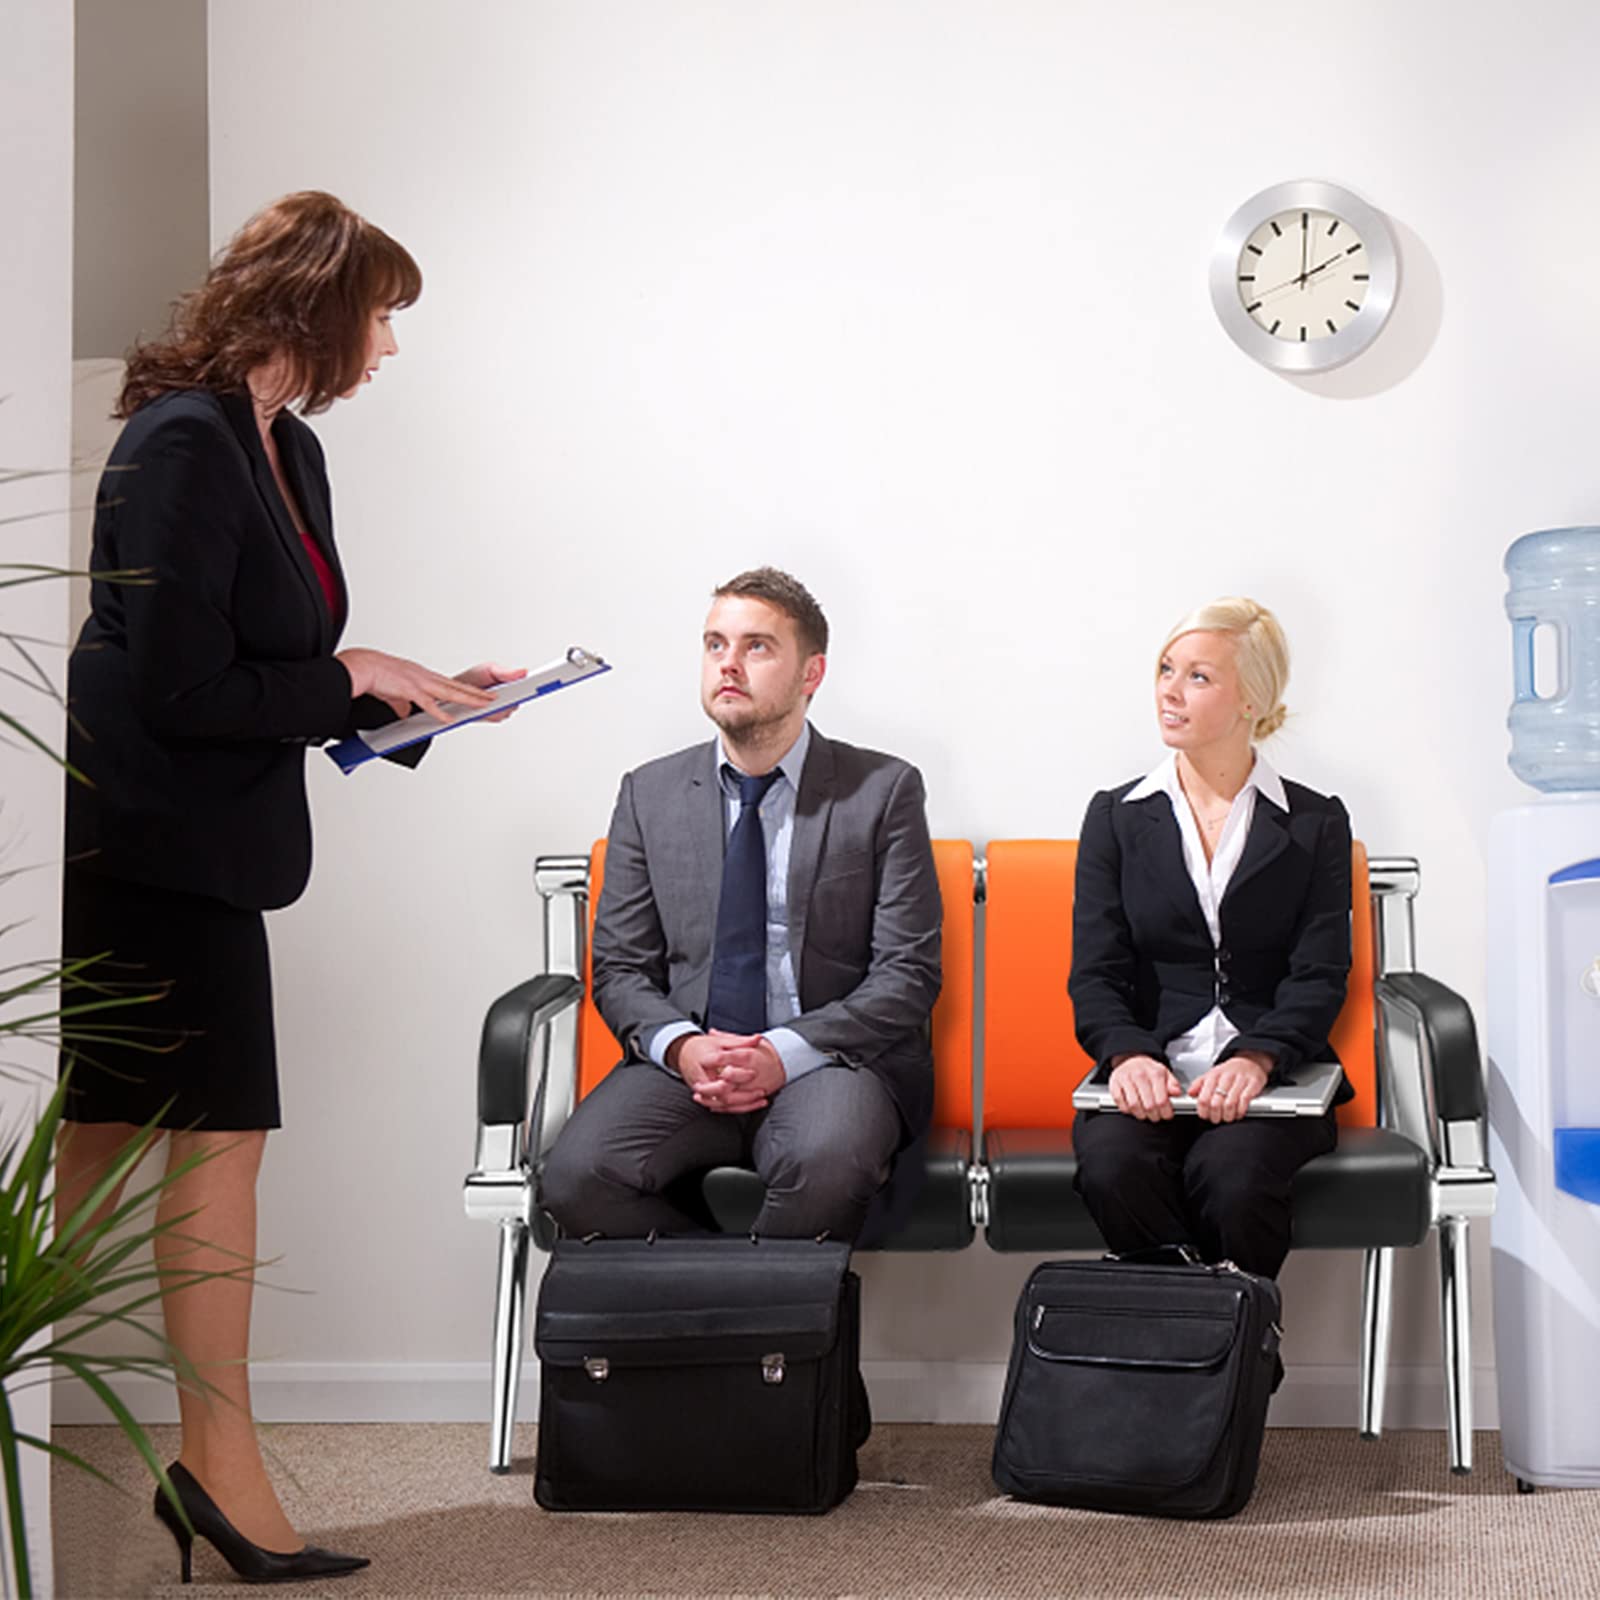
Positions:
{"x": 1544, "y": 1023}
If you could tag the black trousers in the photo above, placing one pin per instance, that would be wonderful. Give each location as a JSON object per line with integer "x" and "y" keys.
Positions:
{"x": 1221, "y": 1187}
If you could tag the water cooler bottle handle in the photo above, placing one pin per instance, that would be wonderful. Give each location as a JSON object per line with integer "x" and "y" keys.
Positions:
{"x": 1522, "y": 629}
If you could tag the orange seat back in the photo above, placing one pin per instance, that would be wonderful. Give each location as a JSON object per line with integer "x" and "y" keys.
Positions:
{"x": 1355, "y": 1034}
{"x": 1031, "y": 1057}
{"x": 952, "y": 1014}
{"x": 598, "y": 1050}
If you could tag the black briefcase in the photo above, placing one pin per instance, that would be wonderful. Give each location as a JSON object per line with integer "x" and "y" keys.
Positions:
{"x": 712, "y": 1374}
{"x": 1139, "y": 1388}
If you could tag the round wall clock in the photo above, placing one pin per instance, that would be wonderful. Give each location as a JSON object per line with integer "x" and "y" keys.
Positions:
{"x": 1304, "y": 276}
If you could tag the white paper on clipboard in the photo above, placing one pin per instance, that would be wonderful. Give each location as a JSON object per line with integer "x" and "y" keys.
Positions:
{"x": 574, "y": 667}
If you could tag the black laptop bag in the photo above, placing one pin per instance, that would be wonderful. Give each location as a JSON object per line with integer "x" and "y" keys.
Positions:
{"x": 1138, "y": 1387}
{"x": 713, "y": 1374}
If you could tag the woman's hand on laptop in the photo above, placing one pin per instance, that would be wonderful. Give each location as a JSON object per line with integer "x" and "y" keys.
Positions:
{"x": 1144, "y": 1088}
{"x": 1224, "y": 1093}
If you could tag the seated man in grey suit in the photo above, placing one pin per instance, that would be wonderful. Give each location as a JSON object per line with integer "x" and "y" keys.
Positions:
{"x": 766, "y": 949}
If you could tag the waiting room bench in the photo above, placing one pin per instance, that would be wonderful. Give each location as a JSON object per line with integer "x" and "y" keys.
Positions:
{"x": 1412, "y": 1147}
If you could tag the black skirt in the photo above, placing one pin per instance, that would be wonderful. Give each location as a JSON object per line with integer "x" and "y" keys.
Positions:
{"x": 201, "y": 1052}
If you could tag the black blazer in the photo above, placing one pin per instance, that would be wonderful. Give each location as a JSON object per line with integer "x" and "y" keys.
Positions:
{"x": 1144, "y": 969}
{"x": 195, "y": 691}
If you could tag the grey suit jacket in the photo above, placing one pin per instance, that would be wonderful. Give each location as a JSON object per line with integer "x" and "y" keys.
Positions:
{"x": 864, "y": 910}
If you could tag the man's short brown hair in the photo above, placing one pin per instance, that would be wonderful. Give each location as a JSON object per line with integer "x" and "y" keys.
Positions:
{"x": 787, "y": 595}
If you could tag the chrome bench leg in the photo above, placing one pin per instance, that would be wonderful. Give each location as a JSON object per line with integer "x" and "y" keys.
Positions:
{"x": 510, "y": 1293}
{"x": 1377, "y": 1289}
{"x": 1455, "y": 1309}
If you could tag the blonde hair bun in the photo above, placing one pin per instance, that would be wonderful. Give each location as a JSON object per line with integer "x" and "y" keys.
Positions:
{"x": 1268, "y": 725}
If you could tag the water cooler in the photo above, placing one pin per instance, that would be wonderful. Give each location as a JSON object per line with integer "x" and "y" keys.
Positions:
{"x": 1544, "y": 1021}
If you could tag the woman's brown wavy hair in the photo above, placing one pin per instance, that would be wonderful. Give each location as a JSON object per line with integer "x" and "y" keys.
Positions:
{"x": 302, "y": 278}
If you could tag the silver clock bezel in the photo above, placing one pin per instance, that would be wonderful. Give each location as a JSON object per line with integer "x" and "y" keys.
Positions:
{"x": 1315, "y": 355}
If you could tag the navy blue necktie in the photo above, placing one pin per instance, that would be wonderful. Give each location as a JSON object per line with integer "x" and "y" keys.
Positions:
{"x": 737, "y": 1002}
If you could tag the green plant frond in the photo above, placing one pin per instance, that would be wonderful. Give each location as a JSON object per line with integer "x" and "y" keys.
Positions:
{"x": 72, "y": 972}
{"x": 61, "y": 1453}
{"x": 79, "y": 1228}
{"x": 22, "y": 646}
{"x": 33, "y": 1374}
{"x": 39, "y": 572}
{"x": 72, "y": 968}
{"x": 106, "y": 1001}
{"x": 26, "y": 734}
{"x": 79, "y": 1221}
{"x": 74, "y": 1274}
{"x": 25, "y": 1165}
{"x": 109, "y": 1398}
{"x": 159, "y": 1360}
{"x": 34, "y": 571}
{"x": 120, "y": 1002}
{"x": 15, "y": 1515}
{"x": 144, "y": 1040}
{"x": 53, "y": 1296}
{"x": 157, "y": 1283}
{"x": 78, "y": 468}
{"x": 28, "y": 682}
{"x": 104, "y": 995}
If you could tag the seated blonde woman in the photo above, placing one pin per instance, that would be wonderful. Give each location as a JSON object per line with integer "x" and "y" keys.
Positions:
{"x": 1211, "y": 946}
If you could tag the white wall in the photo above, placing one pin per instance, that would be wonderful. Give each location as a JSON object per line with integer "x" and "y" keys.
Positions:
{"x": 910, "y": 298}
{"x": 35, "y": 432}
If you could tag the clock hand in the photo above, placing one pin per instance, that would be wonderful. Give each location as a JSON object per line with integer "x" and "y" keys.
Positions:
{"x": 1305, "y": 248}
{"x": 1300, "y": 279}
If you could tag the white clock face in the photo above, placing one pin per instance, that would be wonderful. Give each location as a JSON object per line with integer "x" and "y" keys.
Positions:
{"x": 1303, "y": 275}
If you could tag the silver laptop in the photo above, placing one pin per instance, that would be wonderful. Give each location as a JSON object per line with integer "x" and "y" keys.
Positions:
{"x": 1308, "y": 1093}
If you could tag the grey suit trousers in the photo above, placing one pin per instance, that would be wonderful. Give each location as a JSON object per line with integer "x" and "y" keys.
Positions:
{"x": 823, "y": 1146}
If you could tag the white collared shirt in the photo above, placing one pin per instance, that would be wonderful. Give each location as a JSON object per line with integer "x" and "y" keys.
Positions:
{"x": 1196, "y": 1051}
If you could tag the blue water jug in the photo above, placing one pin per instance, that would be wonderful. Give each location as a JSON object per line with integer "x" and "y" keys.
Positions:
{"x": 1555, "y": 581}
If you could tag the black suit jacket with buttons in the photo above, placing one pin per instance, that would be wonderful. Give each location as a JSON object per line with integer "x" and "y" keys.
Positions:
{"x": 195, "y": 689}
{"x": 1144, "y": 968}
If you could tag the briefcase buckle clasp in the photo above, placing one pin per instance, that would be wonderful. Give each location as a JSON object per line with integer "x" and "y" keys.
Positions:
{"x": 597, "y": 1367}
{"x": 772, "y": 1368}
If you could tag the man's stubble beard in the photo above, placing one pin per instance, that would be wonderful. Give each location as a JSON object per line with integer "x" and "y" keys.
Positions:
{"x": 744, "y": 719}
{"x": 746, "y": 723}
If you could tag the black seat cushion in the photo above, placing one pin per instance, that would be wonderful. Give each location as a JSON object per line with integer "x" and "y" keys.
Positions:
{"x": 1372, "y": 1191}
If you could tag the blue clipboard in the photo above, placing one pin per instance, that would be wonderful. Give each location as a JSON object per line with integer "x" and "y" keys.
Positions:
{"x": 576, "y": 666}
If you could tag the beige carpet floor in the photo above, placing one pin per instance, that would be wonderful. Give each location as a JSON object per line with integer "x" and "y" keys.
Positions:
{"x": 1332, "y": 1516}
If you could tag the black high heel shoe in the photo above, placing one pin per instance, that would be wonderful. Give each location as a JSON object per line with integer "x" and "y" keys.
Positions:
{"x": 250, "y": 1561}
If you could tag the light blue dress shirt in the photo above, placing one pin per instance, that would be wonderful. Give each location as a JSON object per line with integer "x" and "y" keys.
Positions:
{"x": 783, "y": 989}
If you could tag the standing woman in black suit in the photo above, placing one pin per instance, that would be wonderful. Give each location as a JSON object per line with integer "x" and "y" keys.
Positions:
{"x": 194, "y": 695}
{"x": 1211, "y": 946}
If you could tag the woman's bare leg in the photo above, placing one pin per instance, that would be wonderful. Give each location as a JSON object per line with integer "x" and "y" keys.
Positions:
{"x": 208, "y": 1322}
